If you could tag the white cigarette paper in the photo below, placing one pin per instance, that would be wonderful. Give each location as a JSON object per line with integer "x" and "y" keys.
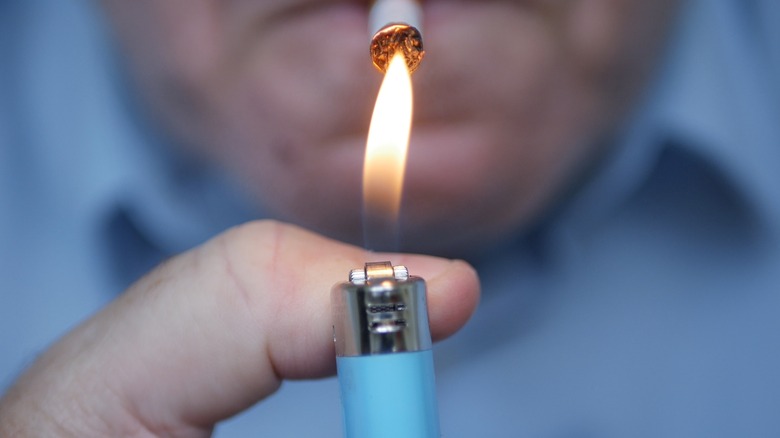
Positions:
{"x": 385, "y": 12}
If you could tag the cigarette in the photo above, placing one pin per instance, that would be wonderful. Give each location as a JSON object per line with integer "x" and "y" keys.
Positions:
{"x": 395, "y": 26}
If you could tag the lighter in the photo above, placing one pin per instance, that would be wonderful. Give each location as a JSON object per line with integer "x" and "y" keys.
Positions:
{"x": 383, "y": 354}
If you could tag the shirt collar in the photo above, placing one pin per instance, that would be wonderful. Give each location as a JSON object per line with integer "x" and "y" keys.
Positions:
{"x": 138, "y": 179}
{"x": 156, "y": 202}
{"x": 720, "y": 100}
{"x": 176, "y": 201}
{"x": 711, "y": 98}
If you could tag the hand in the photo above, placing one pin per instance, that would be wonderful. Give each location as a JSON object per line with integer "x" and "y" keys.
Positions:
{"x": 207, "y": 334}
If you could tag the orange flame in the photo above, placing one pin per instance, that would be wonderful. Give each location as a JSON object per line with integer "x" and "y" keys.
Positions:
{"x": 386, "y": 150}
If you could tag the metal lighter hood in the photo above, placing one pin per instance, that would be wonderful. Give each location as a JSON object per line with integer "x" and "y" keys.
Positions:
{"x": 380, "y": 310}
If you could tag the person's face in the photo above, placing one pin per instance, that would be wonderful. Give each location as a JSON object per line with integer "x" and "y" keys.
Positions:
{"x": 512, "y": 101}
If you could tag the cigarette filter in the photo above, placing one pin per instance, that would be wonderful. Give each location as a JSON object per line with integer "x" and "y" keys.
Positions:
{"x": 383, "y": 354}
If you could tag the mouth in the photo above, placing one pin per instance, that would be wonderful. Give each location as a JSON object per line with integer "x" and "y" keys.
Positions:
{"x": 316, "y": 77}
{"x": 312, "y": 79}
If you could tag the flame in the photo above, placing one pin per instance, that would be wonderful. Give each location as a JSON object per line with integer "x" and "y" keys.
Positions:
{"x": 386, "y": 150}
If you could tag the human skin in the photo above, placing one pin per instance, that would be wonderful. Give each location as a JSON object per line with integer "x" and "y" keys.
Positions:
{"x": 206, "y": 335}
{"x": 514, "y": 102}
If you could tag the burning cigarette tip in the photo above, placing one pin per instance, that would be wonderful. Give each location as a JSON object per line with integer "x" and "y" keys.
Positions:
{"x": 397, "y": 38}
{"x": 395, "y": 27}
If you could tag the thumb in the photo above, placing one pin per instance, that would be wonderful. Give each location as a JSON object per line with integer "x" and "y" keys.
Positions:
{"x": 209, "y": 333}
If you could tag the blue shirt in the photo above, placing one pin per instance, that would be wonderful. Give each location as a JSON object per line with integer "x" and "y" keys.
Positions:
{"x": 646, "y": 305}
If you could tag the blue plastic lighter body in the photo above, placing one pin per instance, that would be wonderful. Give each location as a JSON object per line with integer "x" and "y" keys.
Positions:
{"x": 383, "y": 354}
{"x": 389, "y": 395}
